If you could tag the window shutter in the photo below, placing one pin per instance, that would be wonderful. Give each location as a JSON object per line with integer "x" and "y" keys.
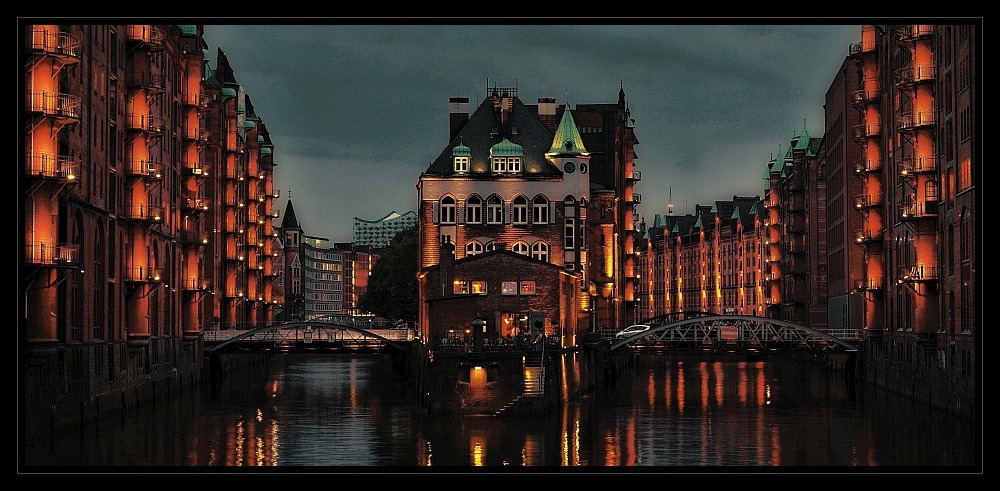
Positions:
{"x": 437, "y": 212}
{"x": 552, "y": 212}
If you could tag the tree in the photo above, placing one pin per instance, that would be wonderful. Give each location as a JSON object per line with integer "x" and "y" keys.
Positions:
{"x": 392, "y": 286}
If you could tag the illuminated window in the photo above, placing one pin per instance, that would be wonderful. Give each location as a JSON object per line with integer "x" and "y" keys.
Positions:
{"x": 514, "y": 164}
{"x": 527, "y": 288}
{"x": 462, "y": 164}
{"x": 508, "y": 288}
{"x": 479, "y": 287}
{"x": 494, "y": 210}
{"x": 540, "y": 251}
{"x": 473, "y": 248}
{"x": 499, "y": 164}
{"x": 520, "y": 210}
{"x": 520, "y": 247}
{"x": 447, "y": 209}
{"x": 540, "y": 210}
{"x": 474, "y": 210}
{"x": 460, "y": 287}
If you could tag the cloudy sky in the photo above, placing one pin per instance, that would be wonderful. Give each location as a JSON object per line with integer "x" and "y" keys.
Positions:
{"x": 357, "y": 112}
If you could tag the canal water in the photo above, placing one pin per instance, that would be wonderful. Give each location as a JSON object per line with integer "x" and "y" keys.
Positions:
{"x": 331, "y": 412}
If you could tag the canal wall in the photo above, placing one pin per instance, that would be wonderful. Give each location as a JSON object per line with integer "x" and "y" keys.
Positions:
{"x": 924, "y": 385}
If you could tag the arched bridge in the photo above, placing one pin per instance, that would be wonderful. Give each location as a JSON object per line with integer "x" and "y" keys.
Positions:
{"x": 345, "y": 332}
{"x": 737, "y": 333}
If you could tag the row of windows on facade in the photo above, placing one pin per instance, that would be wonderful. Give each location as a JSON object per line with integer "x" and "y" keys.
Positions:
{"x": 447, "y": 210}
{"x": 498, "y": 165}
{"x": 538, "y": 250}
{"x": 479, "y": 287}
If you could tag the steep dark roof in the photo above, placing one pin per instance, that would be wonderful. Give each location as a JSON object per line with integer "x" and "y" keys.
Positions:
{"x": 288, "y": 221}
{"x": 477, "y": 135}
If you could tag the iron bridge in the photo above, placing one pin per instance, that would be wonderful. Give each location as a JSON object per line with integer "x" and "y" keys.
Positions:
{"x": 345, "y": 332}
{"x": 738, "y": 333}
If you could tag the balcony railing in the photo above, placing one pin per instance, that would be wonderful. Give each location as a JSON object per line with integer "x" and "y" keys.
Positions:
{"x": 54, "y": 43}
{"x": 918, "y": 273}
{"x": 197, "y": 284}
{"x": 234, "y": 292}
{"x": 47, "y": 254}
{"x": 51, "y": 166}
{"x": 144, "y": 122}
{"x": 636, "y": 176}
{"x": 865, "y": 96}
{"x": 866, "y": 46}
{"x": 199, "y": 135}
{"x": 910, "y": 32}
{"x": 144, "y": 168}
{"x": 916, "y": 165}
{"x": 866, "y": 166}
{"x": 867, "y": 284}
{"x": 862, "y": 236}
{"x": 196, "y": 204}
{"x": 919, "y": 119}
{"x": 197, "y": 100}
{"x": 152, "y": 36}
{"x": 910, "y": 210}
{"x": 867, "y": 200}
{"x": 153, "y": 81}
{"x": 236, "y": 254}
{"x": 867, "y": 130}
{"x": 143, "y": 274}
{"x": 53, "y": 105}
{"x": 147, "y": 213}
{"x": 197, "y": 168}
{"x": 915, "y": 74}
{"x": 274, "y": 194}
{"x": 193, "y": 237}
{"x": 636, "y": 198}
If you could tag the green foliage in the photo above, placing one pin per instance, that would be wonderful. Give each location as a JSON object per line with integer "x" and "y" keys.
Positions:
{"x": 392, "y": 286}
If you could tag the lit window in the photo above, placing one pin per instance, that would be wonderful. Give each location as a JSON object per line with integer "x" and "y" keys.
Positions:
{"x": 447, "y": 209}
{"x": 527, "y": 288}
{"x": 473, "y": 248}
{"x": 499, "y": 164}
{"x": 520, "y": 248}
{"x": 462, "y": 164}
{"x": 514, "y": 164}
{"x": 479, "y": 287}
{"x": 508, "y": 288}
{"x": 494, "y": 210}
{"x": 474, "y": 210}
{"x": 540, "y": 210}
{"x": 461, "y": 287}
{"x": 520, "y": 210}
{"x": 540, "y": 251}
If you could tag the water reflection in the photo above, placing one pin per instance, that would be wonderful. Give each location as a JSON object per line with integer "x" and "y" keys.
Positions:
{"x": 339, "y": 410}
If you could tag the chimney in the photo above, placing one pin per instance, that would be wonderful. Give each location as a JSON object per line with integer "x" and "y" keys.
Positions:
{"x": 547, "y": 113}
{"x": 459, "y": 115}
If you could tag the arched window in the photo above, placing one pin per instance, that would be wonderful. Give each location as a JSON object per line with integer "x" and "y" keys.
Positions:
{"x": 474, "y": 209}
{"x": 520, "y": 210}
{"x": 494, "y": 210}
{"x": 447, "y": 209}
{"x": 540, "y": 251}
{"x": 540, "y": 210}
{"x": 474, "y": 247}
{"x": 493, "y": 246}
{"x": 520, "y": 247}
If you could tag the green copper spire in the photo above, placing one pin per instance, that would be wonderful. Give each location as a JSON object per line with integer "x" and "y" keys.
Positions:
{"x": 567, "y": 139}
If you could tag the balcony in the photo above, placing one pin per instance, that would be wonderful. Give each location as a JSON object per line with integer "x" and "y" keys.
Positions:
{"x": 795, "y": 247}
{"x": 868, "y": 284}
{"x": 234, "y": 227}
{"x": 863, "y": 97}
{"x": 863, "y": 201}
{"x": 238, "y": 254}
{"x": 636, "y": 176}
{"x": 197, "y": 100}
{"x": 53, "y": 255}
{"x": 145, "y": 213}
{"x": 865, "y": 131}
{"x": 917, "y": 274}
{"x": 195, "y": 205}
{"x": 193, "y": 237}
{"x": 861, "y": 47}
{"x": 274, "y": 194}
{"x": 144, "y": 169}
{"x": 197, "y": 135}
{"x": 195, "y": 168}
{"x": 917, "y": 120}
{"x": 148, "y": 35}
{"x": 145, "y": 123}
{"x": 864, "y": 236}
{"x": 151, "y": 81}
{"x": 866, "y": 166}
{"x": 913, "y": 210}
{"x": 916, "y": 74}
{"x": 50, "y": 166}
{"x": 913, "y": 32}
{"x": 62, "y": 107}
{"x": 62, "y": 46}
{"x": 909, "y": 166}
{"x": 234, "y": 293}
{"x": 197, "y": 284}
{"x": 143, "y": 274}
{"x": 636, "y": 198}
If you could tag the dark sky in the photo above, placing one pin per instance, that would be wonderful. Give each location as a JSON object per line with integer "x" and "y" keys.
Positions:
{"x": 357, "y": 112}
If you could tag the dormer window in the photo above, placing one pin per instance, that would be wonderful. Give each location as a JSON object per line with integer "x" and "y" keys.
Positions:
{"x": 505, "y": 157}
{"x": 460, "y": 158}
{"x": 461, "y": 164}
{"x": 499, "y": 165}
{"x": 513, "y": 164}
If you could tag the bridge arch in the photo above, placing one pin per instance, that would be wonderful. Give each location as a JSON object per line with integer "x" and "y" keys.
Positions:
{"x": 315, "y": 327}
{"x": 745, "y": 333}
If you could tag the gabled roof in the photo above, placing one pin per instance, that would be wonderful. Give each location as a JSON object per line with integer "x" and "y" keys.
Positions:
{"x": 483, "y": 130}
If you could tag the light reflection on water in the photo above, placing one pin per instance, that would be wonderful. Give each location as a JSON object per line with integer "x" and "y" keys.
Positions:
{"x": 352, "y": 410}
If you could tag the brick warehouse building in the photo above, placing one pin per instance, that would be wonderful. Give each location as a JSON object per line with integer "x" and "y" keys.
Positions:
{"x": 147, "y": 192}
{"x": 534, "y": 181}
